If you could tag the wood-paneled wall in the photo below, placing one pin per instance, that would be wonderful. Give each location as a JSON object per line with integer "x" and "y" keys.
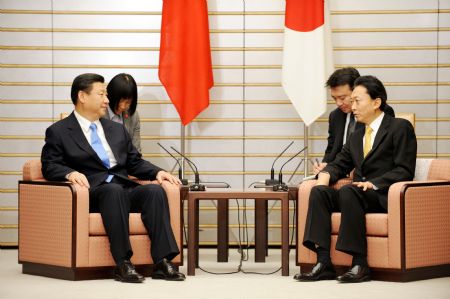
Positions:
{"x": 45, "y": 44}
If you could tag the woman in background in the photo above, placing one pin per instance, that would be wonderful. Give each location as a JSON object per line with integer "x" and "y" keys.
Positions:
{"x": 122, "y": 95}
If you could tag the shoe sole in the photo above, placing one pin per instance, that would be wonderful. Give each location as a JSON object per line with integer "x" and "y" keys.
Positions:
{"x": 163, "y": 277}
{"x": 362, "y": 279}
{"x": 118, "y": 278}
{"x": 325, "y": 277}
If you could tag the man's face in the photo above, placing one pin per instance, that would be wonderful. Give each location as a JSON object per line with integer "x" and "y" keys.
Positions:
{"x": 96, "y": 101}
{"x": 363, "y": 106}
{"x": 341, "y": 95}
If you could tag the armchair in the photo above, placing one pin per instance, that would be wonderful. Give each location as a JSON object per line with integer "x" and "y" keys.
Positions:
{"x": 59, "y": 238}
{"x": 411, "y": 241}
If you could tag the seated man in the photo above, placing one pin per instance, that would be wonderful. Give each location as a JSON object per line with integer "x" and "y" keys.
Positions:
{"x": 98, "y": 154}
{"x": 382, "y": 153}
{"x": 341, "y": 122}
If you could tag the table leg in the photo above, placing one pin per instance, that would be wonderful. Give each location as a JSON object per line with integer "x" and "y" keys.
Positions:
{"x": 192, "y": 235}
{"x": 197, "y": 232}
{"x": 260, "y": 230}
{"x": 285, "y": 236}
{"x": 222, "y": 230}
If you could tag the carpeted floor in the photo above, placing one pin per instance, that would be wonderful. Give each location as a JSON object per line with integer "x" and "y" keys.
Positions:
{"x": 14, "y": 285}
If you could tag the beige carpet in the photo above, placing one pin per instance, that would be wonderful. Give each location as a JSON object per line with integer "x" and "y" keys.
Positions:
{"x": 14, "y": 285}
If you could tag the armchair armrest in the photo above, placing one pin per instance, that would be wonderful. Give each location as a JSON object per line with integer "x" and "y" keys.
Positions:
{"x": 418, "y": 221}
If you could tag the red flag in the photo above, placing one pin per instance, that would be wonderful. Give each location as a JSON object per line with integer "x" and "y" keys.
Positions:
{"x": 185, "y": 56}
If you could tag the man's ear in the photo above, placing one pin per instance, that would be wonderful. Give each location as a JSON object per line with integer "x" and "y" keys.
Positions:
{"x": 81, "y": 96}
{"x": 377, "y": 103}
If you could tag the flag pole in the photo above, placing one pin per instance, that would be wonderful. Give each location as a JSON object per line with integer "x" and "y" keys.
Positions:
{"x": 305, "y": 153}
{"x": 182, "y": 148}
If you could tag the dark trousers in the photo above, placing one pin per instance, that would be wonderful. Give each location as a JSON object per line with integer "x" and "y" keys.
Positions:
{"x": 353, "y": 203}
{"x": 116, "y": 200}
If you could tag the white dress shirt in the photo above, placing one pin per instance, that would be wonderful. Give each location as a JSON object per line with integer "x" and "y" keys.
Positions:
{"x": 85, "y": 123}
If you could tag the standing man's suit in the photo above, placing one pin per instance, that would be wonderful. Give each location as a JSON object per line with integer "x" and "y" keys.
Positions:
{"x": 336, "y": 129}
{"x": 391, "y": 159}
{"x": 67, "y": 150}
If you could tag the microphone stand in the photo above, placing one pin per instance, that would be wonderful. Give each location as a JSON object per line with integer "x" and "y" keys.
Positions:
{"x": 282, "y": 186}
{"x": 184, "y": 182}
{"x": 272, "y": 181}
{"x": 196, "y": 186}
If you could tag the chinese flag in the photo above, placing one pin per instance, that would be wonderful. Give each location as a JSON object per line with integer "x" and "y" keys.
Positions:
{"x": 307, "y": 57}
{"x": 185, "y": 56}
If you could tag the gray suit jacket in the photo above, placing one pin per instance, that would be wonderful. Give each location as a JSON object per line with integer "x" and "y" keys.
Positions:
{"x": 133, "y": 126}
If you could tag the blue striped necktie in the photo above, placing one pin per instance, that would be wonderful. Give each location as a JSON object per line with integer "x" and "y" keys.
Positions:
{"x": 97, "y": 145}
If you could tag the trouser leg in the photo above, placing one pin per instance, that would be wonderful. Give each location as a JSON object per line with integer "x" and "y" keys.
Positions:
{"x": 111, "y": 200}
{"x": 151, "y": 201}
{"x": 354, "y": 203}
{"x": 318, "y": 221}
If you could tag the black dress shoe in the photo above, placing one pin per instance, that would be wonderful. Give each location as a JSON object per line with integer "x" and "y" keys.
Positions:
{"x": 165, "y": 270}
{"x": 356, "y": 273}
{"x": 320, "y": 271}
{"x": 125, "y": 272}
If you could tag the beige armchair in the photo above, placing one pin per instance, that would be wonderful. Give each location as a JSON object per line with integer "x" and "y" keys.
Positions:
{"x": 59, "y": 238}
{"x": 408, "y": 243}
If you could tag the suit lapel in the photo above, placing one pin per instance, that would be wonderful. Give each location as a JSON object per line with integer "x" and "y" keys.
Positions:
{"x": 341, "y": 128}
{"x": 110, "y": 138}
{"x": 76, "y": 133}
{"x": 358, "y": 135}
{"x": 382, "y": 131}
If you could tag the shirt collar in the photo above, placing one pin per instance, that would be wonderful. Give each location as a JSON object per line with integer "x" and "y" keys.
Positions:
{"x": 84, "y": 122}
{"x": 376, "y": 123}
{"x": 114, "y": 116}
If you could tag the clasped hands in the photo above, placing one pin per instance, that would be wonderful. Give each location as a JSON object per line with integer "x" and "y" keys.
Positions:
{"x": 324, "y": 180}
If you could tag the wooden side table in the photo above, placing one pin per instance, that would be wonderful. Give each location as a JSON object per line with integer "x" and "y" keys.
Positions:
{"x": 223, "y": 195}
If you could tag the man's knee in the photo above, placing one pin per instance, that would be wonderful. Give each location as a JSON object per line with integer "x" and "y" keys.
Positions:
{"x": 317, "y": 193}
{"x": 348, "y": 195}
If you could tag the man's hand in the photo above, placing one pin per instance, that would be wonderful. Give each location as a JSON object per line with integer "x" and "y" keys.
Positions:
{"x": 162, "y": 175}
{"x": 78, "y": 178}
{"x": 323, "y": 179}
{"x": 364, "y": 185}
{"x": 318, "y": 167}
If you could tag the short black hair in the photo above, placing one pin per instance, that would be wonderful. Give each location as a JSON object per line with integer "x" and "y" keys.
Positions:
{"x": 342, "y": 77}
{"x": 84, "y": 82}
{"x": 122, "y": 86}
{"x": 375, "y": 88}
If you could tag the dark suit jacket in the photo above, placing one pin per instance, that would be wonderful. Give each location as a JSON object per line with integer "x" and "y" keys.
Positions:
{"x": 66, "y": 149}
{"x": 336, "y": 129}
{"x": 392, "y": 158}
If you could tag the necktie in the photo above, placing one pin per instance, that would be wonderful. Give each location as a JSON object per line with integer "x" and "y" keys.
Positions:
{"x": 97, "y": 145}
{"x": 367, "y": 140}
{"x": 350, "y": 127}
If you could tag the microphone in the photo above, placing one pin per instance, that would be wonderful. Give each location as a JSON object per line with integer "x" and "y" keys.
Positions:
{"x": 282, "y": 186}
{"x": 196, "y": 186}
{"x": 272, "y": 181}
{"x": 180, "y": 174}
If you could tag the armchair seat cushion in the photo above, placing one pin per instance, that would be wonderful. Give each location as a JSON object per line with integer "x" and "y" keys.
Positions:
{"x": 376, "y": 224}
{"x": 96, "y": 227}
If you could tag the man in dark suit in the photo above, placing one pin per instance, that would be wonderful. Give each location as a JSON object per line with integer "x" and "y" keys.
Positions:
{"x": 382, "y": 153}
{"x": 341, "y": 122}
{"x": 98, "y": 154}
